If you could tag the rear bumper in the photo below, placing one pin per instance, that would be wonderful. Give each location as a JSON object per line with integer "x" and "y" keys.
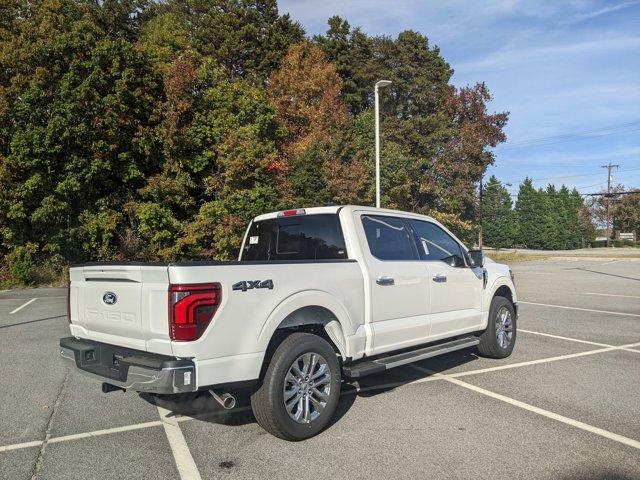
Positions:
{"x": 130, "y": 369}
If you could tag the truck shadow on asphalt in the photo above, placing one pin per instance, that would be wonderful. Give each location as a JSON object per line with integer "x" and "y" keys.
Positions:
{"x": 202, "y": 406}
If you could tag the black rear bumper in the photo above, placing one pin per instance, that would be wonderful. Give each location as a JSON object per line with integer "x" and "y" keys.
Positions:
{"x": 128, "y": 368}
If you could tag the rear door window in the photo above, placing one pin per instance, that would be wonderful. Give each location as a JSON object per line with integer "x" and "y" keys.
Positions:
{"x": 301, "y": 237}
{"x": 388, "y": 238}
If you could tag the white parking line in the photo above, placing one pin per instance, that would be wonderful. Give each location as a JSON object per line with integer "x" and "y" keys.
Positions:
{"x": 187, "y": 467}
{"x": 565, "y": 338}
{"x": 18, "y": 446}
{"x": 611, "y": 295}
{"x": 22, "y": 306}
{"x": 545, "y": 413}
{"x": 581, "y": 309}
{"x": 532, "y": 362}
{"x": 622, "y": 347}
{"x": 77, "y": 436}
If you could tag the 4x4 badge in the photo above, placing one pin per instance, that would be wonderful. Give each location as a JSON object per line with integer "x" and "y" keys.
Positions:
{"x": 245, "y": 285}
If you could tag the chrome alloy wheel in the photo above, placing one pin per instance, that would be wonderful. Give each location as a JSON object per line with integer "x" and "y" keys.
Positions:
{"x": 307, "y": 386}
{"x": 504, "y": 327}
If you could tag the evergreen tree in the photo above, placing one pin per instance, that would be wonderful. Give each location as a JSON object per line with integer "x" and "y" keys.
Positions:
{"x": 553, "y": 218}
{"x": 246, "y": 38}
{"x": 350, "y": 50}
{"x": 497, "y": 216}
{"x": 526, "y": 215}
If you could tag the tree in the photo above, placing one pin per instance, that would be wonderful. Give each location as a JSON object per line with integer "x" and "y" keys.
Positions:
{"x": 555, "y": 218}
{"x": 351, "y": 51}
{"x": 439, "y": 135}
{"x": 305, "y": 91}
{"x": 552, "y": 219}
{"x": 497, "y": 216}
{"x": 78, "y": 113}
{"x": 627, "y": 213}
{"x": 246, "y": 38}
{"x": 466, "y": 154}
{"x": 225, "y": 153}
{"x": 527, "y": 215}
{"x": 585, "y": 229}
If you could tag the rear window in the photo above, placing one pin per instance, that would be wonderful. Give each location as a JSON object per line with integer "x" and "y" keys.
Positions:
{"x": 302, "y": 237}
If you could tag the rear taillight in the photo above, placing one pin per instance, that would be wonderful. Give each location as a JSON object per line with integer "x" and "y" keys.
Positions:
{"x": 69, "y": 302}
{"x": 191, "y": 308}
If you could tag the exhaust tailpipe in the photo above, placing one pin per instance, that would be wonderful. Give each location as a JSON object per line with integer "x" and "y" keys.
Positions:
{"x": 227, "y": 400}
{"x": 107, "y": 387}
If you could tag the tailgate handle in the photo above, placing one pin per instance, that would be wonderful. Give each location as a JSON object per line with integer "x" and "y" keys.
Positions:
{"x": 107, "y": 279}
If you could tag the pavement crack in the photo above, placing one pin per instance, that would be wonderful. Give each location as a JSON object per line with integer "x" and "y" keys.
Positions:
{"x": 47, "y": 435}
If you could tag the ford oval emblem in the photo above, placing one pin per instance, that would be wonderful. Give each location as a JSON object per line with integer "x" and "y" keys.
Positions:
{"x": 109, "y": 298}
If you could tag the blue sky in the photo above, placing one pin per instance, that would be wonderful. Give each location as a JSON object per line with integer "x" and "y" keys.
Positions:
{"x": 568, "y": 71}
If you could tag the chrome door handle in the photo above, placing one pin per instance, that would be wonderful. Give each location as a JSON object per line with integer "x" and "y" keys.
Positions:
{"x": 384, "y": 280}
{"x": 440, "y": 278}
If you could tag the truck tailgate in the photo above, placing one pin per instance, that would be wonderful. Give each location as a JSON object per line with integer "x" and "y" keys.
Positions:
{"x": 122, "y": 305}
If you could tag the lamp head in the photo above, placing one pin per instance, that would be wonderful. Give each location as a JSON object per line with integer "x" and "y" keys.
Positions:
{"x": 383, "y": 83}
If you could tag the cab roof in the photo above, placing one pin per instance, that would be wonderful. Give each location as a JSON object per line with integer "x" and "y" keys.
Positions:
{"x": 335, "y": 209}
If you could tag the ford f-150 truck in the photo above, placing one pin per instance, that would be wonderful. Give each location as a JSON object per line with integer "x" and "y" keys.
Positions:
{"x": 316, "y": 296}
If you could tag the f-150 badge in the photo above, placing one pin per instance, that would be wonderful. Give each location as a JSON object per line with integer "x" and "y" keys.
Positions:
{"x": 245, "y": 285}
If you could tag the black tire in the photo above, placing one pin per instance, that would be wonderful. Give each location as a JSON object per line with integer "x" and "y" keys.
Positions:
{"x": 267, "y": 402}
{"x": 489, "y": 345}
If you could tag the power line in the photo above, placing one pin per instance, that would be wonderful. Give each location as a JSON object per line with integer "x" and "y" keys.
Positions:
{"x": 557, "y": 177}
{"x": 594, "y": 133}
{"x": 611, "y": 195}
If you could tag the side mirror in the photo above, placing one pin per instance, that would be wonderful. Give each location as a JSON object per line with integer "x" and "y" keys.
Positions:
{"x": 477, "y": 258}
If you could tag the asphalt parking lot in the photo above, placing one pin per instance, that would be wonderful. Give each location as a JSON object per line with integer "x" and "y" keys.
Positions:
{"x": 565, "y": 405}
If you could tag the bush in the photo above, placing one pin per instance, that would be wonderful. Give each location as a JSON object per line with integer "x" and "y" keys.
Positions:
{"x": 22, "y": 263}
{"x": 28, "y": 265}
{"x": 622, "y": 243}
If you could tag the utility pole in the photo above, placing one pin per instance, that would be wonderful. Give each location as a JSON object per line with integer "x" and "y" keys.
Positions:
{"x": 609, "y": 166}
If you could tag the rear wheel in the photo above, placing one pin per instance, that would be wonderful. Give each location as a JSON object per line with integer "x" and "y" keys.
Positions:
{"x": 498, "y": 340}
{"x": 300, "y": 389}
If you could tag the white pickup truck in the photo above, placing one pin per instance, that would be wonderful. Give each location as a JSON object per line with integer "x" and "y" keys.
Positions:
{"x": 315, "y": 296}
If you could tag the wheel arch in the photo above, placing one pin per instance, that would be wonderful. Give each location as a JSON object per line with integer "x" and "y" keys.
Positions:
{"x": 500, "y": 288}
{"x": 503, "y": 291}
{"x": 313, "y": 311}
{"x": 315, "y": 319}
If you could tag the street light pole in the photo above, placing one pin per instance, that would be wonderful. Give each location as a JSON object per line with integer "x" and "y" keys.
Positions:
{"x": 379, "y": 84}
{"x": 480, "y": 232}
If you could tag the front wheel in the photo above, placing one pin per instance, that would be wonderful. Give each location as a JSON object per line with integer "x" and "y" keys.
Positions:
{"x": 300, "y": 389}
{"x": 498, "y": 340}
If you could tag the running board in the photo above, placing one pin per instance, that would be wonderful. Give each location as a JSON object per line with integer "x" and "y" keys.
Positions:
{"x": 369, "y": 367}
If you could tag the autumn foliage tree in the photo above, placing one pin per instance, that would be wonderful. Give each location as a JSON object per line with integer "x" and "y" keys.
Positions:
{"x": 317, "y": 166}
